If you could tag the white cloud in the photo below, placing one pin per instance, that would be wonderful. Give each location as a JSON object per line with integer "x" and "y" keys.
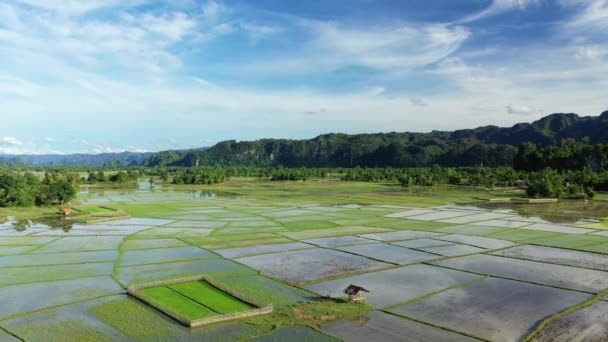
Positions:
{"x": 10, "y": 141}
{"x": 517, "y": 109}
{"x": 418, "y": 101}
{"x": 592, "y": 16}
{"x": 50, "y": 140}
{"x": 213, "y": 9}
{"x": 499, "y": 7}
{"x": 591, "y": 52}
{"x": 331, "y": 46}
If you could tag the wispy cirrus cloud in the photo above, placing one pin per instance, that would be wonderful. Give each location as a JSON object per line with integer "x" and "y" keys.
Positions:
{"x": 498, "y": 7}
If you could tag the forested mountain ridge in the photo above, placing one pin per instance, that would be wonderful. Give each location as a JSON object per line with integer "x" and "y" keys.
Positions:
{"x": 549, "y": 129}
{"x": 488, "y": 146}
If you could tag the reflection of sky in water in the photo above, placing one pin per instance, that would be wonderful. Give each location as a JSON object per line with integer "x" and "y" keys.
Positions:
{"x": 146, "y": 192}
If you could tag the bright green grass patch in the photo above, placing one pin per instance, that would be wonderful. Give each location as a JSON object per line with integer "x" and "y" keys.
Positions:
{"x": 95, "y": 210}
{"x": 570, "y": 241}
{"x": 266, "y": 290}
{"x": 209, "y": 296}
{"x": 601, "y": 248}
{"x": 369, "y": 222}
{"x": 19, "y": 275}
{"x": 175, "y": 302}
{"x": 307, "y": 225}
{"x": 522, "y": 235}
{"x": 210, "y": 240}
{"x": 316, "y": 313}
{"x": 132, "y": 319}
{"x": 339, "y": 231}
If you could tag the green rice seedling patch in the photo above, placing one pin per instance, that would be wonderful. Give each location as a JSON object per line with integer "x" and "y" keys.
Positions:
{"x": 216, "y": 268}
{"x": 135, "y": 321}
{"x": 248, "y": 230}
{"x": 317, "y": 313}
{"x": 162, "y": 233}
{"x": 600, "y": 248}
{"x": 400, "y": 235}
{"x": 308, "y": 225}
{"x": 161, "y": 255}
{"x": 369, "y": 221}
{"x": 523, "y": 235}
{"x": 6, "y": 337}
{"x": 266, "y": 290}
{"x": 248, "y": 243}
{"x": 20, "y": 275}
{"x": 469, "y": 230}
{"x": 96, "y": 210}
{"x": 260, "y": 249}
{"x": 246, "y": 224}
{"x": 211, "y": 297}
{"x": 175, "y": 302}
{"x": 196, "y": 224}
{"x": 58, "y": 258}
{"x": 77, "y": 244}
{"x": 151, "y": 243}
{"x": 338, "y": 231}
{"x": 570, "y": 241}
{"x": 413, "y": 225}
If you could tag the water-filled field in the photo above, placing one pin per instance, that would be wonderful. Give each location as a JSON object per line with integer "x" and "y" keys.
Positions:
{"x": 438, "y": 267}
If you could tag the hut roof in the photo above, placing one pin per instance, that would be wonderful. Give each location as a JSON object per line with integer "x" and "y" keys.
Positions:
{"x": 353, "y": 290}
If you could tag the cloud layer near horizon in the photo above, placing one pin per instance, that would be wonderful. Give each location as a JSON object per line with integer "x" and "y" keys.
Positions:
{"x": 106, "y": 76}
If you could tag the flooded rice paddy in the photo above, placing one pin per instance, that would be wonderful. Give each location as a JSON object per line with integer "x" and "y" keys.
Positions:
{"x": 455, "y": 272}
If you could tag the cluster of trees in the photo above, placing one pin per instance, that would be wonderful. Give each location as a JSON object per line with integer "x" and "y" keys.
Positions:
{"x": 120, "y": 178}
{"x": 24, "y": 190}
{"x": 569, "y": 154}
{"x": 203, "y": 175}
{"x": 550, "y": 183}
{"x": 297, "y": 174}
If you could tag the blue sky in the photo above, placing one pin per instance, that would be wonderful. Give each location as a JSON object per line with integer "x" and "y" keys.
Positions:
{"x": 144, "y": 75}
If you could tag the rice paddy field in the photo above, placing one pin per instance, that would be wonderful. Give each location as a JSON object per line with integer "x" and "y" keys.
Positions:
{"x": 439, "y": 266}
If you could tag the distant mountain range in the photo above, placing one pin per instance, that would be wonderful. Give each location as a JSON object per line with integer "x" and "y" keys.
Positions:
{"x": 122, "y": 158}
{"x": 487, "y": 145}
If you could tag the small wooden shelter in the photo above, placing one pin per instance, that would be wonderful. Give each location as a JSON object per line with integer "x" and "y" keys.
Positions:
{"x": 354, "y": 292}
{"x": 65, "y": 211}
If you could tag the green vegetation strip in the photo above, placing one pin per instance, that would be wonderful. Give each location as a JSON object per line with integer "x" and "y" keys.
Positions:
{"x": 207, "y": 295}
{"x": 175, "y": 302}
